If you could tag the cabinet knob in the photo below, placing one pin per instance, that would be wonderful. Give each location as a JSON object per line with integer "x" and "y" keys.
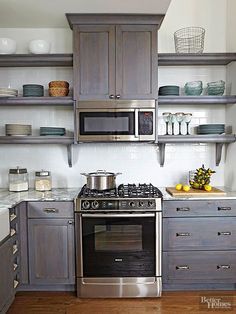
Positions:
{"x": 112, "y": 96}
{"x": 70, "y": 222}
{"x": 117, "y": 96}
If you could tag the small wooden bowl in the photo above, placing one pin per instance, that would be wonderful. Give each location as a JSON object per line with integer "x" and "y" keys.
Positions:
{"x": 58, "y": 91}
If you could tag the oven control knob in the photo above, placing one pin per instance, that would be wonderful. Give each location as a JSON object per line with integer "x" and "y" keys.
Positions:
{"x": 150, "y": 204}
{"x": 131, "y": 204}
{"x": 95, "y": 204}
{"x": 141, "y": 204}
{"x": 85, "y": 205}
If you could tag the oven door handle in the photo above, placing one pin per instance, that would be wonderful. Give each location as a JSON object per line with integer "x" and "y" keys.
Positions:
{"x": 117, "y": 215}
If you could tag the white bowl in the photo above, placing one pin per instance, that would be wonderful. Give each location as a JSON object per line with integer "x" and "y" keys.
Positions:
{"x": 38, "y": 46}
{"x": 7, "y": 46}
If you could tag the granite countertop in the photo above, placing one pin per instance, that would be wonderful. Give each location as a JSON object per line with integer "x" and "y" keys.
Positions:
{"x": 10, "y": 199}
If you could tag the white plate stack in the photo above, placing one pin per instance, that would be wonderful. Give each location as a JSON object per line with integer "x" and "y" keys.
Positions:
{"x": 8, "y": 92}
{"x": 18, "y": 129}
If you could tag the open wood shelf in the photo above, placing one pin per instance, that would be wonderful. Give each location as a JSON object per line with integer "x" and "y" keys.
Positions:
{"x": 36, "y": 101}
{"x": 218, "y": 139}
{"x": 178, "y": 100}
{"x": 188, "y": 59}
{"x": 37, "y": 60}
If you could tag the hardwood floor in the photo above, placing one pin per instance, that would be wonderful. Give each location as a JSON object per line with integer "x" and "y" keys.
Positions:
{"x": 169, "y": 303}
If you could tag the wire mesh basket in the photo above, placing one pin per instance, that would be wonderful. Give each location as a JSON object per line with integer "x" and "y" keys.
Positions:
{"x": 189, "y": 40}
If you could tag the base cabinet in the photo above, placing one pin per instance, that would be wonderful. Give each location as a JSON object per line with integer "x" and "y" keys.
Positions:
{"x": 51, "y": 251}
{"x": 6, "y": 274}
{"x": 199, "y": 250}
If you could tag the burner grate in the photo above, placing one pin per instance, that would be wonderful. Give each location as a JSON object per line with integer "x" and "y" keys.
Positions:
{"x": 123, "y": 191}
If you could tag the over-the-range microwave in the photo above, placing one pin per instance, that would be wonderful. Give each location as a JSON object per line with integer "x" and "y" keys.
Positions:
{"x": 116, "y": 121}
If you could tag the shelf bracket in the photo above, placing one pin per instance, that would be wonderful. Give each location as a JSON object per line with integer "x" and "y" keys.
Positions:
{"x": 162, "y": 149}
{"x": 69, "y": 155}
{"x": 219, "y": 147}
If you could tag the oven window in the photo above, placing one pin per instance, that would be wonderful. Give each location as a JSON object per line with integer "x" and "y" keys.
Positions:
{"x": 118, "y": 237}
{"x": 105, "y": 123}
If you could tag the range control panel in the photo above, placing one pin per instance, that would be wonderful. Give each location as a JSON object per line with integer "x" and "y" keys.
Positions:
{"x": 114, "y": 204}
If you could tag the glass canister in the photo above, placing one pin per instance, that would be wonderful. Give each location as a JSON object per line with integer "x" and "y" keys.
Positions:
{"x": 43, "y": 181}
{"x": 18, "y": 180}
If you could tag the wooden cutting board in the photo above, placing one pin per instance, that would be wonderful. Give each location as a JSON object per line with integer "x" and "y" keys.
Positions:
{"x": 195, "y": 192}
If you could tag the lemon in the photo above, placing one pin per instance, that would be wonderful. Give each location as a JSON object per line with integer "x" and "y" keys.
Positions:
{"x": 207, "y": 187}
{"x": 178, "y": 187}
{"x": 186, "y": 188}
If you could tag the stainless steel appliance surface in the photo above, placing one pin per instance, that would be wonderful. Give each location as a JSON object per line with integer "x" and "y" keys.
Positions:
{"x": 118, "y": 242}
{"x": 116, "y": 120}
{"x": 101, "y": 180}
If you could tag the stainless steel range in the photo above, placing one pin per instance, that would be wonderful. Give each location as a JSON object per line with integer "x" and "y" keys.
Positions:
{"x": 118, "y": 242}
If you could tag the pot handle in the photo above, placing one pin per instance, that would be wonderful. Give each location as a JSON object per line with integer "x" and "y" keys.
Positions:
{"x": 84, "y": 174}
{"x": 118, "y": 173}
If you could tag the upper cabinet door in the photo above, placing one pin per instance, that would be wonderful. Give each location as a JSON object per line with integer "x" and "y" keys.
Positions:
{"x": 136, "y": 62}
{"x": 94, "y": 62}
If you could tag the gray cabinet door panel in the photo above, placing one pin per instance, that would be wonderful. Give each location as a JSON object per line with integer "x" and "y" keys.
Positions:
{"x": 51, "y": 251}
{"x": 94, "y": 61}
{"x": 190, "y": 208}
{"x": 6, "y": 273}
{"x": 136, "y": 61}
{"x": 51, "y": 209}
{"x": 212, "y": 233}
{"x": 193, "y": 267}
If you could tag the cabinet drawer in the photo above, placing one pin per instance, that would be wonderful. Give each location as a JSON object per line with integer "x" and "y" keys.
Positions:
{"x": 50, "y": 209}
{"x": 209, "y": 233}
{"x": 199, "y": 208}
{"x": 199, "y": 267}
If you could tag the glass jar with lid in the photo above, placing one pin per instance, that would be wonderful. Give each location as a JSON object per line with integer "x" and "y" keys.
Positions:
{"x": 43, "y": 181}
{"x": 18, "y": 180}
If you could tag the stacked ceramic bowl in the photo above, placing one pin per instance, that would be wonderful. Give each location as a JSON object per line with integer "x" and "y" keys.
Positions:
{"x": 18, "y": 129}
{"x": 33, "y": 90}
{"x": 169, "y": 90}
{"x": 211, "y": 129}
{"x": 52, "y": 131}
{"x": 58, "y": 88}
{"x": 216, "y": 88}
{"x": 193, "y": 88}
{"x": 8, "y": 92}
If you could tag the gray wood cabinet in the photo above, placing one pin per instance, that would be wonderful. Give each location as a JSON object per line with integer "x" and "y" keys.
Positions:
{"x": 51, "y": 243}
{"x": 6, "y": 274}
{"x": 199, "y": 244}
{"x": 115, "y": 61}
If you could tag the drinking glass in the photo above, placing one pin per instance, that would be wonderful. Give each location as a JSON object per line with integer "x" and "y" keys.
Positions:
{"x": 166, "y": 118}
{"x": 187, "y": 119}
{"x": 172, "y": 121}
{"x": 179, "y": 118}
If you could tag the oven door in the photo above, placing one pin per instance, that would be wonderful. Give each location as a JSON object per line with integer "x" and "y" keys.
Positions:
{"x": 117, "y": 245}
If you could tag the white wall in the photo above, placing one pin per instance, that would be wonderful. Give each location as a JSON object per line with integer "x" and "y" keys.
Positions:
{"x": 230, "y": 169}
{"x": 137, "y": 162}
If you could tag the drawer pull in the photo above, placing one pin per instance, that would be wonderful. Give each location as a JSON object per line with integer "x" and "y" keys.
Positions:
{"x": 183, "y": 209}
{"x": 223, "y": 266}
{"x": 182, "y": 267}
{"x": 15, "y": 249}
{"x": 16, "y": 283}
{"x": 12, "y": 217}
{"x": 13, "y": 232}
{"x": 224, "y": 208}
{"x": 183, "y": 234}
{"x": 225, "y": 233}
{"x": 50, "y": 210}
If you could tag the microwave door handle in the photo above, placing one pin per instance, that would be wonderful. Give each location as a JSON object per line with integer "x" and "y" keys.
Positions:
{"x": 136, "y": 126}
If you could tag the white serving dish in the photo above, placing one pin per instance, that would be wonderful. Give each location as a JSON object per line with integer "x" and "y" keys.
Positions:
{"x": 7, "y": 46}
{"x": 38, "y": 46}
{"x": 4, "y": 223}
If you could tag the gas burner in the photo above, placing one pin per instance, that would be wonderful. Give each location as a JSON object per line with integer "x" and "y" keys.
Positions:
{"x": 123, "y": 191}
